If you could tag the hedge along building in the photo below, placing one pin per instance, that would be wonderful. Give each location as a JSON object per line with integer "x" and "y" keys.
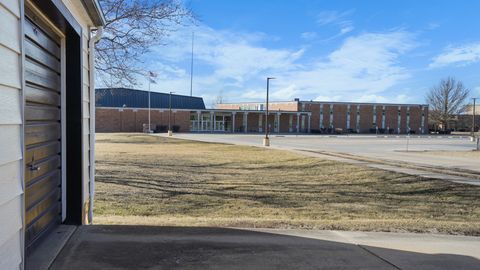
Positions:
{"x": 125, "y": 110}
{"x": 46, "y": 121}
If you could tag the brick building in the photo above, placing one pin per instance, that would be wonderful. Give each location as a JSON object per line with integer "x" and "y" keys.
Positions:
{"x": 350, "y": 117}
{"x": 129, "y": 112}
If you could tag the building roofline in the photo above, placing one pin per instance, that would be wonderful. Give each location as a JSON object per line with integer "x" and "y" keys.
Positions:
{"x": 209, "y": 110}
{"x": 366, "y": 103}
{"x": 255, "y": 102}
{"x": 140, "y": 90}
{"x": 94, "y": 11}
{"x": 326, "y": 102}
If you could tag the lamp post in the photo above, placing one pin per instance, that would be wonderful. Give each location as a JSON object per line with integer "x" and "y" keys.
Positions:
{"x": 170, "y": 114}
{"x": 474, "y": 138}
{"x": 266, "y": 140}
{"x": 473, "y": 118}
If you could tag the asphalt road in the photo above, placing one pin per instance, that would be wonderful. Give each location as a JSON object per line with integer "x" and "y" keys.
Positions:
{"x": 146, "y": 247}
{"x": 387, "y": 148}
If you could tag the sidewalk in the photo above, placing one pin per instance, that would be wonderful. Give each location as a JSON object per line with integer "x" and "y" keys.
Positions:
{"x": 146, "y": 247}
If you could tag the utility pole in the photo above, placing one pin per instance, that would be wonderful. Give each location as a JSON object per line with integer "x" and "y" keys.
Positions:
{"x": 266, "y": 140}
{"x": 170, "y": 114}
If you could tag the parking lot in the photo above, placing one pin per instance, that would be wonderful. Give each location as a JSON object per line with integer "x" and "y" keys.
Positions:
{"x": 447, "y": 153}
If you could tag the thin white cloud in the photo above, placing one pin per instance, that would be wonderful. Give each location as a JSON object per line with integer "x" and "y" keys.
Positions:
{"x": 383, "y": 99}
{"x": 308, "y": 35}
{"x": 366, "y": 64}
{"x": 433, "y": 26}
{"x": 238, "y": 63}
{"x": 338, "y": 19}
{"x": 332, "y": 16}
{"x": 461, "y": 55}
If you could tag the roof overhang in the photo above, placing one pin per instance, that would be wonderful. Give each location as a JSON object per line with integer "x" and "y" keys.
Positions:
{"x": 94, "y": 12}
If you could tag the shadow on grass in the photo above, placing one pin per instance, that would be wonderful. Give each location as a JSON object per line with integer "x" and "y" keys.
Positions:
{"x": 151, "y": 247}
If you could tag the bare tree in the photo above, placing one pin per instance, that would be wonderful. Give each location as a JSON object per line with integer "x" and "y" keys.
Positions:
{"x": 132, "y": 27}
{"x": 219, "y": 99}
{"x": 446, "y": 100}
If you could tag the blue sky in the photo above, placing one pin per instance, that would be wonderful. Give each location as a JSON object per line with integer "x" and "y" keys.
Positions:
{"x": 368, "y": 51}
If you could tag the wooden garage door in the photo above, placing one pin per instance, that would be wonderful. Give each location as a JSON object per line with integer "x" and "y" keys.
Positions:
{"x": 42, "y": 128}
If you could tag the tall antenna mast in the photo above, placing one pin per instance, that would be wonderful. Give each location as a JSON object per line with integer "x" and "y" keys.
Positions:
{"x": 191, "y": 67}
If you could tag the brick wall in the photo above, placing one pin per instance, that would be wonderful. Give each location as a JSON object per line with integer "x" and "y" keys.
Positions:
{"x": 132, "y": 120}
{"x": 366, "y": 119}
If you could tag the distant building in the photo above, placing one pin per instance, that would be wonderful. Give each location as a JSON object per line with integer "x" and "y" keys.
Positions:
{"x": 469, "y": 109}
{"x": 350, "y": 117}
{"x": 463, "y": 122}
{"x": 125, "y": 110}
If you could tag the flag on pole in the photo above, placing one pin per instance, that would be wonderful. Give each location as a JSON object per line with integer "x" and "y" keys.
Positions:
{"x": 152, "y": 75}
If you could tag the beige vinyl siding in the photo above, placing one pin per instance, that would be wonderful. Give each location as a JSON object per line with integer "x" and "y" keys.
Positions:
{"x": 86, "y": 116}
{"x": 11, "y": 187}
{"x": 10, "y": 101}
{"x": 11, "y": 252}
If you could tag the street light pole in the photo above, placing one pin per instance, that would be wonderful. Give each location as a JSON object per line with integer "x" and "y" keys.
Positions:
{"x": 170, "y": 114}
{"x": 473, "y": 118}
{"x": 266, "y": 140}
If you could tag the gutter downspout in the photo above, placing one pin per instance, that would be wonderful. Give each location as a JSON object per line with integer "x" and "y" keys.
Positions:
{"x": 91, "y": 61}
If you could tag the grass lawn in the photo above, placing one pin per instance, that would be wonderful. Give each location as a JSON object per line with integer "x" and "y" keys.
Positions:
{"x": 153, "y": 180}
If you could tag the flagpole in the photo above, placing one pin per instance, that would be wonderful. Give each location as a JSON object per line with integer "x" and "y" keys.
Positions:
{"x": 149, "y": 125}
{"x": 191, "y": 67}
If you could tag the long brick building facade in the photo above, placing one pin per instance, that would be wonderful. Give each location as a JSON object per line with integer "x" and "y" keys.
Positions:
{"x": 285, "y": 117}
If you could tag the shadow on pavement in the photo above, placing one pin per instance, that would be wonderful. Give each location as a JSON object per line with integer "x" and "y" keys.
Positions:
{"x": 150, "y": 247}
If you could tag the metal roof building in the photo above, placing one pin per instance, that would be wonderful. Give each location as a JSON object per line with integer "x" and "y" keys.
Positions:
{"x": 132, "y": 98}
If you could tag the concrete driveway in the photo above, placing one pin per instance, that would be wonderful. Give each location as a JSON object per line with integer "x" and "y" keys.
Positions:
{"x": 144, "y": 247}
{"x": 391, "y": 149}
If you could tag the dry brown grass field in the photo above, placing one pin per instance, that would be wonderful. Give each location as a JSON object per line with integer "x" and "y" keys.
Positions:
{"x": 153, "y": 180}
